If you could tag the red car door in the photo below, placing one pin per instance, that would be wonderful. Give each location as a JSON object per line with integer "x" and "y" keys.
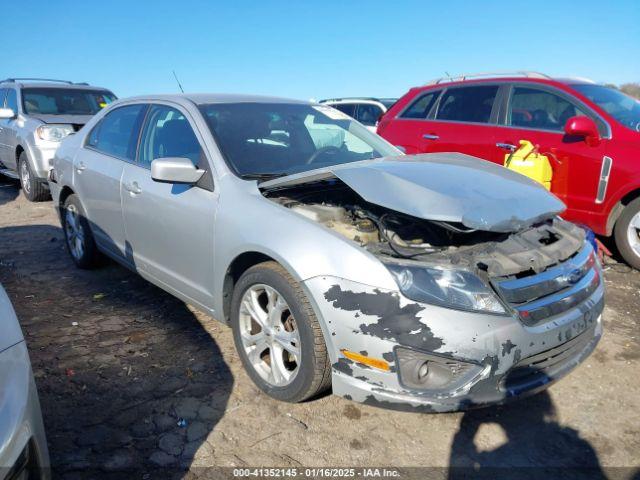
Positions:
{"x": 464, "y": 121}
{"x": 539, "y": 114}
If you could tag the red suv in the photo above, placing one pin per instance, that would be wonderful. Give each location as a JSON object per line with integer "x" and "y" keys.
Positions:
{"x": 590, "y": 133}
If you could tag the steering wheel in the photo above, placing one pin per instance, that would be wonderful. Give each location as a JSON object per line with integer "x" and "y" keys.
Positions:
{"x": 321, "y": 151}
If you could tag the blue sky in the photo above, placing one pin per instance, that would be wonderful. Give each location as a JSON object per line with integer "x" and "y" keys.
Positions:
{"x": 310, "y": 49}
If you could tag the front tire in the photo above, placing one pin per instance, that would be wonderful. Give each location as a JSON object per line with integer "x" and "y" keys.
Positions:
{"x": 34, "y": 190}
{"x": 77, "y": 234}
{"x": 627, "y": 234}
{"x": 278, "y": 336}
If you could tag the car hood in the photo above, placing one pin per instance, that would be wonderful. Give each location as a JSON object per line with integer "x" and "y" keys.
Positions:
{"x": 67, "y": 119}
{"x": 449, "y": 187}
{"x": 10, "y": 332}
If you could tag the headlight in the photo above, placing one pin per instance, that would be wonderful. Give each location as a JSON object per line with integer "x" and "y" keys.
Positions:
{"x": 54, "y": 133}
{"x": 449, "y": 288}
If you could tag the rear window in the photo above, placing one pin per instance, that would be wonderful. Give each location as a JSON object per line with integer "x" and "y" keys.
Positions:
{"x": 64, "y": 101}
{"x": 468, "y": 104}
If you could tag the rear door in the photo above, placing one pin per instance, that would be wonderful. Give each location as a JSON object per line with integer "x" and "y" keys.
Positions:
{"x": 538, "y": 113}
{"x": 464, "y": 121}
{"x": 3, "y": 145}
{"x": 169, "y": 227}
{"x": 98, "y": 169}
{"x": 407, "y": 129}
{"x": 10, "y": 130}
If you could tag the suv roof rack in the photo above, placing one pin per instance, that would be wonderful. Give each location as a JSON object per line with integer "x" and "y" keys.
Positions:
{"x": 27, "y": 79}
{"x": 468, "y": 76}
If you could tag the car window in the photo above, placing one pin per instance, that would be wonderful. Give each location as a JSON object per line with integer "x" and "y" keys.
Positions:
{"x": 540, "y": 109}
{"x": 64, "y": 101}
{"x": 167, "y": 133}
{"x": 421, "y": 107}
{"x": 117, "y": 133}
{"x": 3, "y": 93}
{"x": 368, "y": 114}
{"x": 467, "y": 104}
{"x": 346, "y": 108}
{"x": 12, "y": 100}
{"x": 624, "y": 108}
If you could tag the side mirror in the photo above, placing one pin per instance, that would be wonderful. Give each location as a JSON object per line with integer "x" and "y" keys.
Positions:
{"x": 175, "y": 170}
{"x": 581, "y": 126}
{"x": 7, "y": 114}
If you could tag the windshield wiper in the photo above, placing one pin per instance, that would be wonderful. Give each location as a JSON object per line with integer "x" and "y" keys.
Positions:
{"x": 263, "y": 176}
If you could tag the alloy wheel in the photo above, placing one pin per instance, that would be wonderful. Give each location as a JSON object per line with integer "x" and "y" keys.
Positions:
{"x": 25, "y": 177}
{"x": 269, "y": 334}
{"x": 633, "y": 233}
{"x": 74, "y": 232}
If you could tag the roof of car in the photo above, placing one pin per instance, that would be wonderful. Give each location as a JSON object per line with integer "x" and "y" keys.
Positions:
{"x": 50, "y": 84}
{"x": 205, "y": 98}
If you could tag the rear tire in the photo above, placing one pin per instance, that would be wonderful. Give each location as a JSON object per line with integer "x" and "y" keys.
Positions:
{"x": 77, "y": 234}
{"x": 34, "y": 190}
{"x": 294, "y": 377}
{"x": 627, "y": 234}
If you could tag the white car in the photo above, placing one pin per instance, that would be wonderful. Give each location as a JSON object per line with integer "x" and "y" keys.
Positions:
{"x": 365, "y": 110}
{"x": 23, "y": 446}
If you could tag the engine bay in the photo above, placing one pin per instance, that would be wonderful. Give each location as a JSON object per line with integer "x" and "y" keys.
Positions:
{"x": 387, "y": 233}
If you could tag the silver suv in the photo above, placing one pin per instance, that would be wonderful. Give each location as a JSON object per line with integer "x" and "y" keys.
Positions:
{"x": 35, "y": 115}
{"x": 432, "y": 282}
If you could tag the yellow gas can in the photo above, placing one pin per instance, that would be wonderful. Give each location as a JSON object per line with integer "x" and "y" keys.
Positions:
{"x": 528, "y": 161}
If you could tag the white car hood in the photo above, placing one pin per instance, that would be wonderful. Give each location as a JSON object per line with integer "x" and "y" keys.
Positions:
{"x": 449, "y": 187}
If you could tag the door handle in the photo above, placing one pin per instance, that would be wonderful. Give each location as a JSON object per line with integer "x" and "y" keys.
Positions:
{"x": 80, "y": 167}
{"x": 430, "y": 136}
{"x": 133, "y": 188}
{"x": 507, "y": 146}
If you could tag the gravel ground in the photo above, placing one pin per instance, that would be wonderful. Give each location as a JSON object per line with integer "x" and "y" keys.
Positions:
{"x": 130, "y": 377}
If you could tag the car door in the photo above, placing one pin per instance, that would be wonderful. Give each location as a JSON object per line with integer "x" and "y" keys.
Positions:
{"x": 10, "y": 130}
{"x": 3, "y": 146}
{"x": 538, "y": 114}
{"x": 98, "y": 169}
{"x": 463, "y": 121}
{"x": 406, "y": 130}
{"x": 169, "y": 227}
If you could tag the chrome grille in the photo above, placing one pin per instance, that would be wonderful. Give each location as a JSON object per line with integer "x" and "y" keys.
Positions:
{"x": 554, "y": 291}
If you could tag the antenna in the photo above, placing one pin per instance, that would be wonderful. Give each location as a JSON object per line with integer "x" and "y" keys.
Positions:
{"x": 178, "y": 81}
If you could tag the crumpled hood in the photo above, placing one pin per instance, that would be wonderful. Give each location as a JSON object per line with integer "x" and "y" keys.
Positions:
{"x": 66, "y": 119}
{"x": 449, "y": 187}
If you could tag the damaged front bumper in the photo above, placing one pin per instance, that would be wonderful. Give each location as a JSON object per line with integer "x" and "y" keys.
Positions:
{"x": 478, "y": 359}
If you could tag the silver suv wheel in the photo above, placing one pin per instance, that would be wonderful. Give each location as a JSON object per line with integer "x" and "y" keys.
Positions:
{"x": 269, "y": 335}
{"x": 25, "y": 177}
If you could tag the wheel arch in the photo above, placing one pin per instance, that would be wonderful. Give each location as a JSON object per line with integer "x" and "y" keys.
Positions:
{"x": 619, "y": 206}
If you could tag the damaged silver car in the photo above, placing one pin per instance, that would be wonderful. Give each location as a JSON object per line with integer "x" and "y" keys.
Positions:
{"x": 429, "y": 283}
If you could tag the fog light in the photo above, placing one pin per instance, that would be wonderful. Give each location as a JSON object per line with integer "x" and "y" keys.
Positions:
{"x": 429, "y": 372}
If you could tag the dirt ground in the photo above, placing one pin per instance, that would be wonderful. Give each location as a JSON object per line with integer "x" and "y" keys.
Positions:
{"x": 130, "y": 377}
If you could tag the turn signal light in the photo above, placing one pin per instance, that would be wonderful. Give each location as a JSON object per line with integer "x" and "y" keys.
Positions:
{"x": 371, "y": 362}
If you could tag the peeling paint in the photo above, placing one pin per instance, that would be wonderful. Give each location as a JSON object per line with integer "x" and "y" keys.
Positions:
{"x": 343, "y": 365}
{"x": 507, "y": 347}
{"x": 395, "y": 322}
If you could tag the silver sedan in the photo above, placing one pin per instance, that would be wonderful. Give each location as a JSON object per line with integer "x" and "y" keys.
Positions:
{"x": 431, "y": 283}
{"x": 23, "y": 446}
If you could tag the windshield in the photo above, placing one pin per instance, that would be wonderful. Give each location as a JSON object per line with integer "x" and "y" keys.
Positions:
{"x": 64, "y": 101}
{"x": 263, "y": 140}
{"x": 622, "y": 107}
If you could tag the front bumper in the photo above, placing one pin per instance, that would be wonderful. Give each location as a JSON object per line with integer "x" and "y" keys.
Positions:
{"x": 21, "y": 426}
{"x": 507, "y": 359}
{"x": 41, "y": 156}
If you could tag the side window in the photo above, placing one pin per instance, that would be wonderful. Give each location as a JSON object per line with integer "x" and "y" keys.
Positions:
{"x": 346, "y": 108}
{"x": 421, "y": 107}
{"x": 117, "y": 133}
{"x": 3, "y": 93}
{"x": 12, "y": 100}
{"x": 167, "y": 133}
{"x": 468, "y": 104}
{"x": 368, "y": 114}
{"x": 540, "y": 109}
